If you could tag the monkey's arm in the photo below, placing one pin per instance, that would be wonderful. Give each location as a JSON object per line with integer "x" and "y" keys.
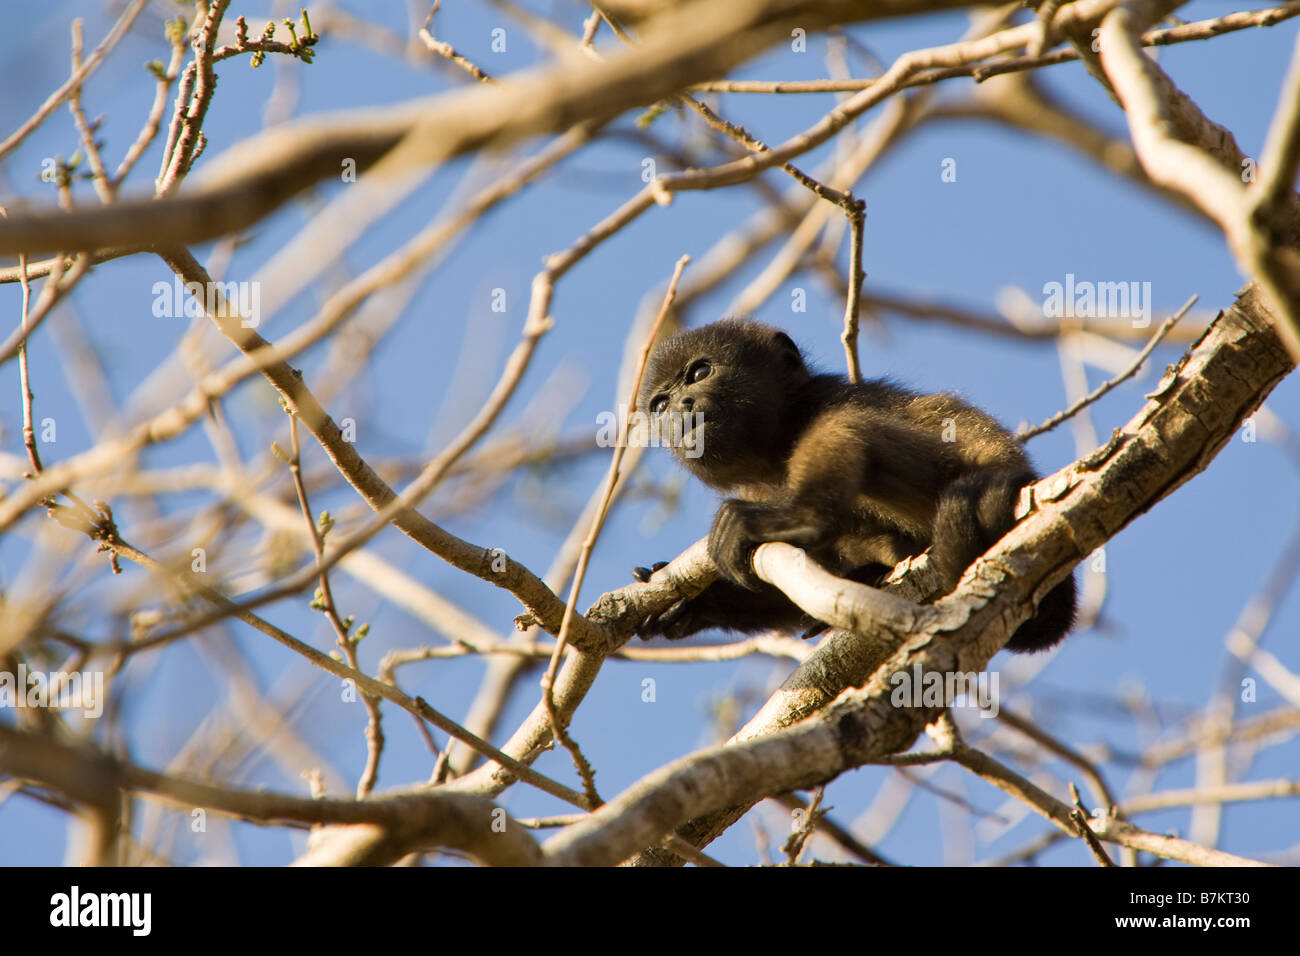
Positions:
{"x": 730, "y": 607}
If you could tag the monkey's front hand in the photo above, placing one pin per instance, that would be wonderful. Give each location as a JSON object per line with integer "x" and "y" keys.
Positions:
{"x": 741, "y": 526}
{"x": 673, "y": 622}
{"x": 683, "y": 617}
{"x": 723, "y": 605}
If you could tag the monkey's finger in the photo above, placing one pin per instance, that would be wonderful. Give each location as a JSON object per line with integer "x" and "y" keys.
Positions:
{"x": 670, "y": 616}
{"x": 661, "y": 623}
{"x": 818, "y": 628}
{"x": 665, "y": 624}
{"x": 643, "y": 574}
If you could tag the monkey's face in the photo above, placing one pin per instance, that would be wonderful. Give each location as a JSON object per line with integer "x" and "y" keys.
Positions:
{"x": 719, "y": 397}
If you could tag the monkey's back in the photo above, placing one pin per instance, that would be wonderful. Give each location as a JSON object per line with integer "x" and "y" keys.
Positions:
{"x": 901, "y": 451}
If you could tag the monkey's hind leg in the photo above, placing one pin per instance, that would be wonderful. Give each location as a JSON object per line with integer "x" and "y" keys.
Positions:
{"x": 973, "y": 513}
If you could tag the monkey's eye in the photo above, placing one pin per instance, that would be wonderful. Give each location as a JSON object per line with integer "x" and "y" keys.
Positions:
{"x": 658, "y": 404}
{"x": 697, "y": 372}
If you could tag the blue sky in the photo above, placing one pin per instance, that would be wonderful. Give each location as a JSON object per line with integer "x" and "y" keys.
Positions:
{"x": 1022, "y": 213}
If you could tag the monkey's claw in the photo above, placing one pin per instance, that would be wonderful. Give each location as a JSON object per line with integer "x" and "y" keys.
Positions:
{"x": 643, "y": 574}
{"x": 673, "y": 622}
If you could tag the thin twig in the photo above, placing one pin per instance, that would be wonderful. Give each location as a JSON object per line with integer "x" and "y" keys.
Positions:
{"x": 1105, "y": 387}
{"x": 165, "y": 77}
{"x": 1188, "y": 32}
{"x": 77, "y": 79}
{"x": 1280, "y": 159}
{"x": 447, "y": 51}
{"x": 24, "y": 378}
{"x": 809, "y": 817}
{"x": 1065, "y": 752}
{"x": 853, "y": 302}
{"x": 344, "y": 637}
{"x": 192, "y": 113}
{"x": 57, "y": 285}
{"x": 111, "y": 539}
{"x": 1081, "y": 817}
{"x": 98, "y": 175}
{"x": 597, "y": 523}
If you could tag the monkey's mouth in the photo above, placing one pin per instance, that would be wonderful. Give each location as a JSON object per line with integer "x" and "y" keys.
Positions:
{"x": 677, "y": 429}
{"x": 691, "y": 443}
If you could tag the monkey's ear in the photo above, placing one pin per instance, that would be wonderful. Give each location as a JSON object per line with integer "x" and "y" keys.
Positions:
{"x": 789, "y": 351}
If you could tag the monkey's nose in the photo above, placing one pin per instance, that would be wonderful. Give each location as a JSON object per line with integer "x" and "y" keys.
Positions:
{"x": 687, "y": 403}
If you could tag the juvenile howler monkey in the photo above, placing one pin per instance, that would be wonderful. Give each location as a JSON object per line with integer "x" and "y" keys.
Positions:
{"x": 861, "y": 476}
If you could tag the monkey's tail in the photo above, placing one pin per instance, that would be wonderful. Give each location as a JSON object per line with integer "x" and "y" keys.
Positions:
{"x": 1053, "y": 621}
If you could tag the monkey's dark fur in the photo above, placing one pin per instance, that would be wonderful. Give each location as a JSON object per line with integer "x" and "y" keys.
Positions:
{"x": 859, "y": 475}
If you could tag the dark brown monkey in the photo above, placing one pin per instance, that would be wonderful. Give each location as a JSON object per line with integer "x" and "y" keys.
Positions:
{"x": 859, "y": 475}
